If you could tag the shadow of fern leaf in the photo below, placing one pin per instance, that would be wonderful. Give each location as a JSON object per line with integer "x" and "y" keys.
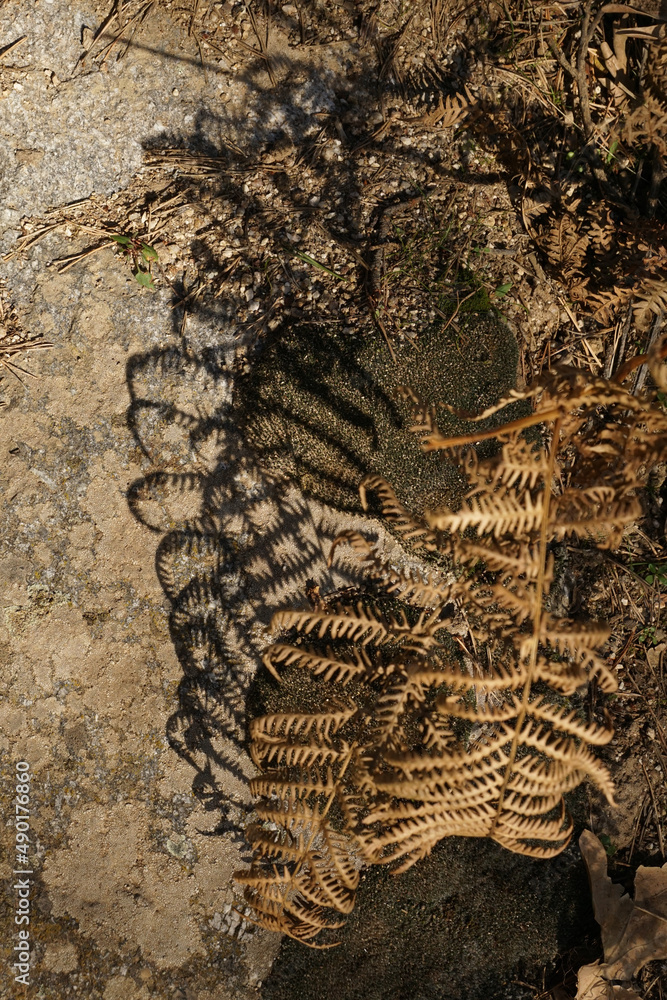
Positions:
{"x": 233, "y": 547}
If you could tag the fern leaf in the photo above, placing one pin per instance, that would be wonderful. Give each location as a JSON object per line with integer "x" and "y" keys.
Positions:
{"x": 567, "y": 722}
{"x": 443, "y": 743}
{"x": 488, "y": 513}
{"x": 296, "y": 754}
{"x": 359, "y": 627}
{"x": 282, "y": 726}
{"x": 305, "y": 783}
{"x": 331, "y": 668}
{"x": 339, "y": 850}
{"x": 410, "y": 528}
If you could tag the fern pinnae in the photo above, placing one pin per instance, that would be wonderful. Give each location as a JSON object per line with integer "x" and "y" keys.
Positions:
{"x": 489, "y": 513}
{"x": 282, "y": 725}
{"x": 411, "y": 528}
{"x": 409, "y": 584}
{"x": 298, "y": 754}
{"x": 441, "y": 750}
{"x": 537, "y": 621}
{"x": 357, "y": 542}
{"x": 450, "y": 768}
{"x": 296, "y": 899}
{"x": 567, "y": 721}
{"x": 433, "y": 797}
{"x": 456, "y": 708}
{"x": 532, "y": 805}
{"x": 339, "y": 668}
{"x": 297, "y": 783}
{"x": 568, "y": 636}
{"x": 512, "y": 559}
{"x": 438, "y": 442}
{"x": 357, "y": 625}
{"x": 533, "y": 828}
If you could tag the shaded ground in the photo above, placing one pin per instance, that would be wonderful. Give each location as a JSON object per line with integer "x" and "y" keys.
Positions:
{"x": 290, "y": 167}
{"x": 467, "y": 922}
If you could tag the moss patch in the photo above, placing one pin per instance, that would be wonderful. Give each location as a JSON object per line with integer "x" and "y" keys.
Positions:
{"x": 319, "y": 406}
{"x": 467, "y": 923}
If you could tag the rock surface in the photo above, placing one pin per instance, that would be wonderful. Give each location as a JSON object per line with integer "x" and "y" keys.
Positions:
{"x": 143, "y": 545}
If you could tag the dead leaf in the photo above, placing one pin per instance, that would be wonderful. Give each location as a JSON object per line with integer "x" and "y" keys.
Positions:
{"x": 634, "y": 932}
{"x": 592, "y": 986}
{"x": 655, "y": 654}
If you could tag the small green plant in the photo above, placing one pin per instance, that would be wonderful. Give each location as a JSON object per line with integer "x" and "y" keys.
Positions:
{"x": 655, "y": 574}
{"x": 610, "y": 847}
{"x": 611, "y": 155}
{"x": 501, "y": 291}
{"x": 142, "y": 255}
{"x": 307, "y": 259}
{"x": 650, "y": 636}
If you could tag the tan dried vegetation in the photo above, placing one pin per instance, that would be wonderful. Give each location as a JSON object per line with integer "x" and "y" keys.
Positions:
{"x": 418, "y": 733}
{"x": 581, "y": 109}
{"x": 574, "y": 101}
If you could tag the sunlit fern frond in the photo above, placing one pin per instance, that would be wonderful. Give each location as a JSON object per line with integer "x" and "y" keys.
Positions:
{"x": 416, "y": 585}
{"x": 357, "y": 624}
{"x": 303, "y": 870}
{"x": 277, "y": 728}
{"x": 420, "y": 735}
{"x": 412, "y": 529}
{"x": 337, "y": 668}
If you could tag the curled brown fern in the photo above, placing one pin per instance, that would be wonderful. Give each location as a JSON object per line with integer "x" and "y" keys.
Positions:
{"x": 418, "y": 734}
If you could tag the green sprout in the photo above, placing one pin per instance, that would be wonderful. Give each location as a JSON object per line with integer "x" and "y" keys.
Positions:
{"x": 655, "y": 573}
{"x": 142, "y": 254}
{"x": 610, "y": 847}
{"x": 649, "y": 636}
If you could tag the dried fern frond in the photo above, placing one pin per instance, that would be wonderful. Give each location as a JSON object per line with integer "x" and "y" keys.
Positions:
{"x": 410, "y": 528}
{"x": 415, "y": 738}
{"x": 303, "y": 869}
{"x": 414, "y": 585}
{"x": 565, "y": 244}
{"x": 338, "y": 668}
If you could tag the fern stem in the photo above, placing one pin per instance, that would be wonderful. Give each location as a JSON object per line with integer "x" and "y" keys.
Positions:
{"x": 537, "y": 621}
{"x": 436, "y": 441}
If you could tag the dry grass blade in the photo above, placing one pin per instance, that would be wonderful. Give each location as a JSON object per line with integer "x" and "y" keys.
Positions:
{"x": 388, "y": 50}
{"x": 12, "y": 45}
{"x": 262, "y": 41}
{"x": 8, "y": 351}
{"x": 30, "y": 239}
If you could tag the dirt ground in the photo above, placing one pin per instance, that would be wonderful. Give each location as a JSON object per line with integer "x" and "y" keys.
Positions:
{"x": 191, "y": 190}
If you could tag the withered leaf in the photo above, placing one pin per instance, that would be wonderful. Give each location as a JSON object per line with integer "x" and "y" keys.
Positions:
{"x": 592, "y": 986}
{"x": 398, "y": 765}
{"x": 634, "y": 932}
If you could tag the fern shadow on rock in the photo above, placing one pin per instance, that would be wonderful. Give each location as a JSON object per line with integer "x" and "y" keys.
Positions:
{"x": 235, "y": 543}
{"x": 232, "y": 547}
